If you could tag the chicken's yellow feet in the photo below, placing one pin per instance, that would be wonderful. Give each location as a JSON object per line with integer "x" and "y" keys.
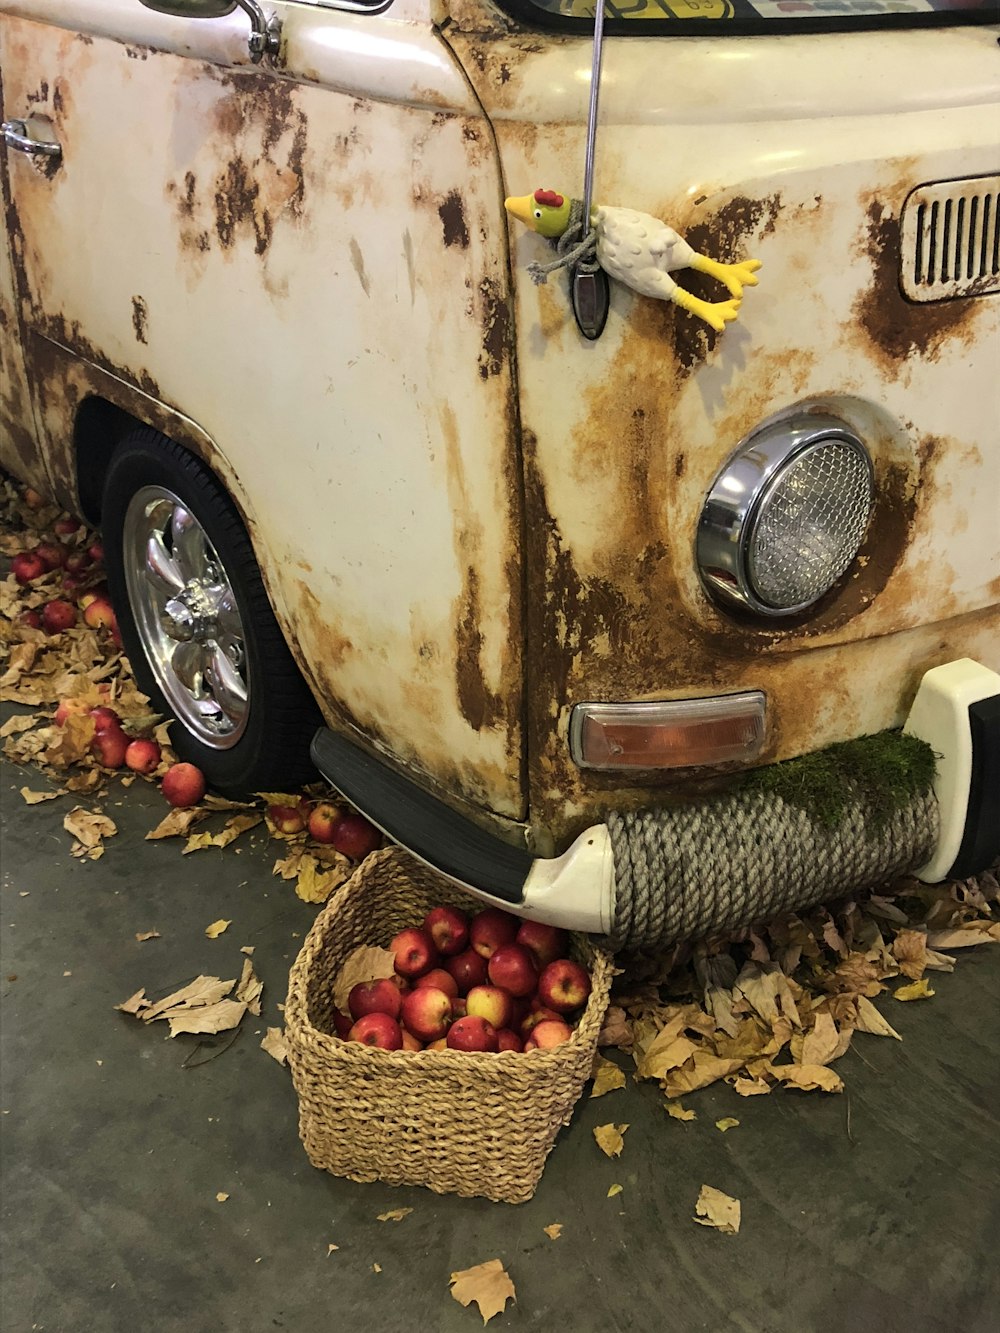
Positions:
{"x": 716, "y": 313}
{"x": 734, "y": 276}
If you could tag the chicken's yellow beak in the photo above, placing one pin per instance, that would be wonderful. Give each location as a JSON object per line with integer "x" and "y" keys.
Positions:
{"x": 522, "y": 209}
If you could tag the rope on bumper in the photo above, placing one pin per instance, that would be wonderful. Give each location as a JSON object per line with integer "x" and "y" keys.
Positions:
{"x": 687, "y": 871}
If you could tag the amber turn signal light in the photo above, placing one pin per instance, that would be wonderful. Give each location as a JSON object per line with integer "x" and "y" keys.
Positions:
{"x": 673, "y": 733}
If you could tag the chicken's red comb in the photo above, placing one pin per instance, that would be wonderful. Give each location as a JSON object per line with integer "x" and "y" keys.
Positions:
{"x": 550, "y": 198}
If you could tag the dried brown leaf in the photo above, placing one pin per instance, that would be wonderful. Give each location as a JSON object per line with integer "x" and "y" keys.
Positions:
{"x": 19, "y": 722}
{"x": 909, "y": 949}
{"x": 314, "y": 885}
{"x": 135, "y": 1003}
{"x": 217, "y": 928}
{"x": 616, "y": 1030}
{"x": 609, "y": 1139}
{"x": 727, "y": 1122}
{"x": 275, "y": 1045}
{"x": 221, "y": 1197}
{"x": 554, "y": 1231}
{"x": 366, "y": 963}
{"x": 752, "y": 1087}
{"x": 88, "y": 828}
{"x": 975, "y": 933}
{"x": 678, "y": 1112}
{"x": 142, "y": 936}
{"x": 718, "y": 1210}
{"x": 202, "y": 991}
{"x": 615, "y": 1189}
{"x": 396, "y": 1215}
{"x": 208, "y": 1018}
{"x": 606, "y": 1075}
{"x": 702, "y": 1069}
{"x": 234, "y": 827}
{"x": 808, "y": 1078}
{"x": 249, "y": 988}
{"x": 662, "y": 1056}
{"x": 823, "y": 1043}
{"x": 487, "y": 1284}
{"x": 36, "y": 797}
{"x": 177, "y": 822}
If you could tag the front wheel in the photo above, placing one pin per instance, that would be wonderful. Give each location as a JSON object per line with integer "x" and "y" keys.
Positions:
{"x": 196, "y": 622}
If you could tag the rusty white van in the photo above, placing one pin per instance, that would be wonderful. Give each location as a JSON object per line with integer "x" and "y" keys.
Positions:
{"x": 540, "y": 570}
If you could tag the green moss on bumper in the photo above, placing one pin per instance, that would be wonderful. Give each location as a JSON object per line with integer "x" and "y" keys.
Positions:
{"x": 883, "y": 771}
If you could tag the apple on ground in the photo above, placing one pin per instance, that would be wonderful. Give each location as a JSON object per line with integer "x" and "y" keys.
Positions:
{"x": 30, "y": 620}
{"x": 537, "y": 1014}
{"x": 513, "y": 968}
{"x": 563, "y": 985}
{"x": 110, "y": 746}
{"x": 69, "y": 707}
{"x": 410, "y": 1042}
{"x": 342, "y": 1023}
{"x": 105, "y": 719}
{"x": 469, "y": 969}
{"x": 67, "y": 526}
{"x": 143, "y": 756}
{"x": 288, "y": 819}
{"x": 99, "y": 614}
{"x": 448, "y": 929}
{"x": 51, "y": 554}
{"x": 353, "y": 836}
{"x": 438, "y": 977}
{"x": 508, "y": 1040}
{"x": 26, "y": 567}
{"x": 58, "y": 616}
{"x": 96, "y": 552}
{"x": 78, "y": 561}
{"x": 553, "y": 1032}
{"x": 490, "y": 929}
{"x": 491, "y": 1003}
{"x": 375, "y": 997}
{"x": 183, "y": 785}
{"x": 378, "y": 1030}
{"x": 544, "y": 943}
{"x": 414, "y": 952}
{"x": 322, "y": 821}
{"x": 427, "y": 1012}
{"x": 472, "y": 1034}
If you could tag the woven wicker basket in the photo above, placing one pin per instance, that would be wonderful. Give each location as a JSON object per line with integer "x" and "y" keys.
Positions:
{"x": 471, "y": 1124}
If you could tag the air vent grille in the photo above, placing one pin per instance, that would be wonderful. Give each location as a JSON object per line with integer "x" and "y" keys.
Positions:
{"x": 951, "y": 240}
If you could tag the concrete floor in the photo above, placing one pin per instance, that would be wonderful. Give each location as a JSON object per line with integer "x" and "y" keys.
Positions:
{"x": 878, "y": 1209}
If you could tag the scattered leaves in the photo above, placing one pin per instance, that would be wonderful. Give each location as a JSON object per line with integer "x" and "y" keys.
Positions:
{"x": 487, "y": 1284}
{"x": 234, "y": 827}
{"x": 217, "y": 928}
{"x": 678, "y": 1112}
{"x": 809, "y": 1078}
{"x": 221, "y": 1198}
{"x": 615, "y": 1189}
{"x": 718, "y": 1210}
{"x": 554, "y": 1231}
{"x": 89, "y": 828}
{"x": 396, "y": 1215}
{"x": 249, "y": 988}
{"x": 143, "y": 936}
{"x": 36, "y": 797}
{"x": 177, "y": 822}
{"x": 606, "y": 1075}
{"x": 727, "y": 1122}
{"x": 610, "y": 1139}
{"x": 275, "y": 1045}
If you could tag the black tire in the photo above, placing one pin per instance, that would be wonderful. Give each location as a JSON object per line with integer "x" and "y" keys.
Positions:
{"x": 279, "y": 717}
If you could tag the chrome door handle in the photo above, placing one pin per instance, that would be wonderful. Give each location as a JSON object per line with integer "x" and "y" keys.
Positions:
{"x": 17, "y": 135}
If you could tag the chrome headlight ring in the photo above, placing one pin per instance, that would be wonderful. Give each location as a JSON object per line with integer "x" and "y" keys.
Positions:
{"x": 786, "y": 516}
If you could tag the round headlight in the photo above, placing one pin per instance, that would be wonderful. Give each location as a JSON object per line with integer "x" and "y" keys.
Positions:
{"x": 786, "y": 516}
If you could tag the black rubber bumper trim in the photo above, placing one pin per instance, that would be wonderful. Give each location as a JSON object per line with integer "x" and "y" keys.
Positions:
{"x": 419, "y": 822}
{"x": 981, "y": 838}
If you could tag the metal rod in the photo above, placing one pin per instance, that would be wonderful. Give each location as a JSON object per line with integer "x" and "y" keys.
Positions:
{"x": 595, "y": 92}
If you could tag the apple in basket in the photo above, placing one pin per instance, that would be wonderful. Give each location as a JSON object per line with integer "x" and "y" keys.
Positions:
{"x": 468, "y": 969}
{"x": 427, "y": 1012}
{"x": 415, "y": 952}
{"x": 563, "y": 986}
{"x": 378, "y": 1030}
{"x": 490, "y": 929}
{"x": 472, "y": 1034}
{"x": 553, "y": 1032}
{"x": 449, "y": 930}
{"x": 544, "y": 943}
{"x": 513, "y": 968}
{"x": 491, "y": 1003}
{"x": 375, "y": 997}
{"x": 439, "y": 978}
{"x": 508, "y": 1041}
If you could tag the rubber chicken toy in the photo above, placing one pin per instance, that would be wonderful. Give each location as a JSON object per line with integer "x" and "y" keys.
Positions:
{"x": 635, "y": 248}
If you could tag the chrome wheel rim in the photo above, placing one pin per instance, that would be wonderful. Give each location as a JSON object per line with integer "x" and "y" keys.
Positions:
{"x": 187, "y": 616}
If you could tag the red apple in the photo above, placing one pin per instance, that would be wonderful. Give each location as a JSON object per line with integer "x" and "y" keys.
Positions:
{"x": 410, "y": 1042}
{"x": 427, "y": 1012}
{"x": 522, "y": 1007}
{"x": 491, "y": 928}
{"x": 508, "y": 1040}
{"x": 544, "y": 943}
{"x": 537, "y": 1014}
{"x": 378, "y": 1030}
{"x": 353, "y": 836}
{"x": 105, "y": 718}
{"x": 143, "y": 756}
{"x": 491, "y": 1003}
{"x": 71, "y": 584}
{"x": 183, "y": 785}
{"x": 322, "y": 821}
{"x": 415, "y": 952}
{"x": 375, "y": 997}
{"x": 564, "y": 985}
{"x": 32, "y": 499}
{"x": 27, "y": 567}
{"x": 58, "y": 616}
{"x": 67, "y": 526}
{"x": 472, "y": 1034}
{"x": 51, "y": 554}
{"x": 77, "y": 562}
{"x": 513, "y": 968}
{"x": 110, "y": 746}
{"x": 342, "y": 1023}
{"x": 458, "y": 1007}
{"x": 553, "y": 1032}
{"x": 448, "y": 929}
{"x": 99, "y": 614}
{"x": 68, "y": 707}
{"x": 468, "y": 969}
{"x": 287, "y": 818}
{"x": 30, "y": 620}
{"x": 96, "y": 552}
{"x": 438, "y": 977}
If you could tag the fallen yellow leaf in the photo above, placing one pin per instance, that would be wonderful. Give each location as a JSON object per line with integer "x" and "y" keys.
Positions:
{"x": 275, "y": 1045}
{"x": 396, "y": 1215}
{"x": 607, "y": 1076}
{"x": 217, "y": 928}
{"x": 727, "y": 1122}
{"x": 36, "y": 797}
{"x": 142, "y": 936}
{"x": 615, "y": 1189}
{"x": 678, "y": 1112}
{"x": 330, "y": 1249}
{"x": 487, "y": 1284}
{"x": 916, "y": 990}
{"x": 221, "y": 1198}
{"x": 808, "y": 1078}
{"x": 718, "y": 1210}
{"x": 554, "y": 1231}
{"x": 609, "y": 1139}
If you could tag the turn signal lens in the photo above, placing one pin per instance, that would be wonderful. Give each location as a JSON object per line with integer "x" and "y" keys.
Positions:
{"x": 675, "y": 733}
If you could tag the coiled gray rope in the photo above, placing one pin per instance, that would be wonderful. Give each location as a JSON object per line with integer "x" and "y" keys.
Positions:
{"x": 569, "y": 247}
{"x": 687, "y": 871}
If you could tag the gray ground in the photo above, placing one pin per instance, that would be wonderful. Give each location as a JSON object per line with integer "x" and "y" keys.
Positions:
{"x": 875, "y": 1210}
